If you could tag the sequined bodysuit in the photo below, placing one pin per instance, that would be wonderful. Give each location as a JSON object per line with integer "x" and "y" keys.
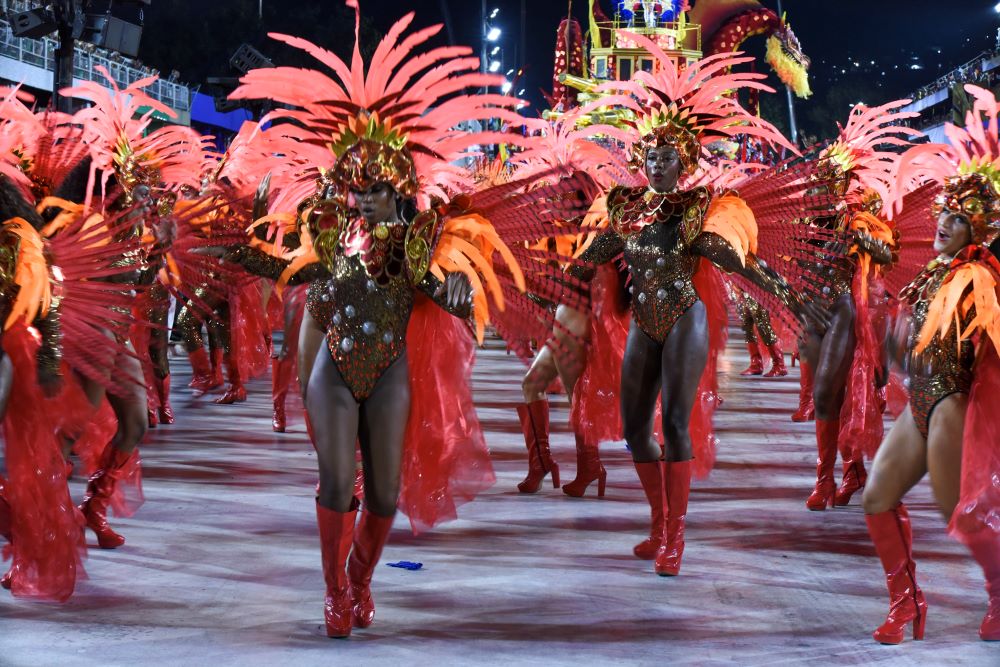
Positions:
{"x": 661, "y": 239}
{"x": 364, "y": 291}
{"x": 943, "y": 368}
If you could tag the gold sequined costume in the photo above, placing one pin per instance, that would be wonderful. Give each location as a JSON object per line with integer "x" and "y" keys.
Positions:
{"x": 944, "y": 367}
{"x": 661, "y": 238}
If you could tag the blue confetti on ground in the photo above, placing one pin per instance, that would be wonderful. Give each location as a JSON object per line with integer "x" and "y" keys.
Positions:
{"x": 406, "y": 565}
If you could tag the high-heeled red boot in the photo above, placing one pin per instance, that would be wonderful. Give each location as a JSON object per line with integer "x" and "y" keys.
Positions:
{"x": 826, "y": 444}
{"x": 164, "y": 411}
{"x": 588, "y": 469}
{"x": 677, "y": 488}
{"x": 236, "y": 392}
{"x": 534, "y": 418}
{"x": 336, "y": 532}
{"x": 893, "y": 538}
{"x": 777, "y": 362}
{"x": 369, "y": 538}
{"x": 218, "y": 359}
{"x": 201, "y": 376}
{"x": 651, "y": 477}
{"x": 100, "y": 488}
{"x": 281, "y": 376}
{"x": 985, "y": 548}
{"x": 855, "y": 476}
{"x": 806, "y": 411}
{"x": 756, "y": 366}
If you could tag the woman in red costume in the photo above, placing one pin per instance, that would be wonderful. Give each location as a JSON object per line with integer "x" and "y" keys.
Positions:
{"x": 56, "y": 318}
{"x": 669, "y": 239}
{"x": 948, "y": 334}
{"x": 561, "y": 145}
{"x": 37, "y": 517}
{"x": 397, "y": 276}
{"x": 840, "y": 361}
{"x": 145, "y": 171}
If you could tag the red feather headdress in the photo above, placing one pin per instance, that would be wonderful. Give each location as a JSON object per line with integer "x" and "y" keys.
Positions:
{"x": 968, "y": 167}
{"x": 854, "y": 162}
{"x": 398, "y": 122}
{"x": 163, "y": 160}
{"x": 687, "y": 106}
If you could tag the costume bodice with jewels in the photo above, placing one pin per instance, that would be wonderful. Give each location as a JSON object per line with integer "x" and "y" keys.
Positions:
{"x": 944, "y": 367}
{"x": 362, "y": 290}
{"x": 375, "y": 271}
{"x": 660, "y": 239}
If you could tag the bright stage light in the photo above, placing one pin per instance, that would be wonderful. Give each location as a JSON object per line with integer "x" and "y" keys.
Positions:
{"x": 496, "y": 50}
{"x": 494, "y": 65}
{"x": 505, "y": 88}
{"x": 494, "y": 13}
{"x": 996, "y": 8}
{"x": 493, "y": 35}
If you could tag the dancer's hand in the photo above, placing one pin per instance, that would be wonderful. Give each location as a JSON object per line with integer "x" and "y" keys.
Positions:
{"x": 164, "y": 231}
{"x": 458, "y": 290}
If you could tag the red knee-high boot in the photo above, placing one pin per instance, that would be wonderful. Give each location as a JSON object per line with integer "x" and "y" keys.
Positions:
{"x": 806, "y": 411}
{"x": 893, "y": 538}
{"x": 336, "y": 532}
{"x": 826, "y": 444}
{"x": 534, "y": 418}
{"x": 236, "y": 393}
{"x": 677, "y": 488}
{"x": 370, "y": 537}
{"x": 756, "y": 366}
{"x": 202, "y": 377}
{"x": 162, "y": 387}
{"x": 100, "y": 488}
{"x": 777, "y": 362}
{"x": 588, "y": 469}
{"x": 218, "y": 357}
{"x": 855, "y": 475}
{"x": 985, "y": 549}
{"x": 651, "y": 477}
{"x": 281, "y": 376}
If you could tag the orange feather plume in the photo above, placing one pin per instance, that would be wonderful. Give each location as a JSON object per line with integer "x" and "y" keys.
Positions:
{"x": 31, "y": 274}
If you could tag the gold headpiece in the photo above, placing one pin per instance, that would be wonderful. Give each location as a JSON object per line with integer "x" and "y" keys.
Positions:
{"x": 666, "y": 131}
{"x": 975, "y": 196}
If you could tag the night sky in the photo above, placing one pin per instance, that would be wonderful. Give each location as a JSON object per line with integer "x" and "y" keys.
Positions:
{"x": 873, "y": 50}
